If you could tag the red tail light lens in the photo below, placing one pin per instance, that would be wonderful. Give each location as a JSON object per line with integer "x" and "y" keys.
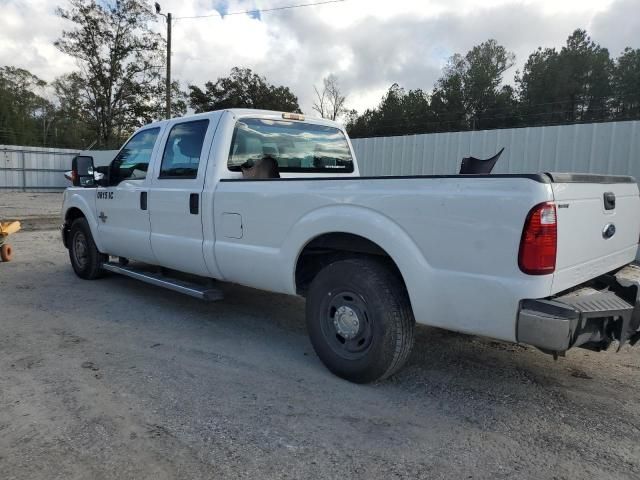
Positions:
{"x": 539, "y": 243}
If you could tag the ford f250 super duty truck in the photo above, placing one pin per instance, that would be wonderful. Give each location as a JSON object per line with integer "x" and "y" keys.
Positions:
{"x": 543, "y": 259}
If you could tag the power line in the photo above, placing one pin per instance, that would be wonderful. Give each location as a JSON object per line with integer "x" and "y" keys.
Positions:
{"x": 263, "y": 10}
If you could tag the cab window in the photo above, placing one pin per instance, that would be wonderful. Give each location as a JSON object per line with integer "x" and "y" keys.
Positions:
{"x": 182, "y": 151}
{"x": 132, "y": 162}
{"x": 295, "y": 146}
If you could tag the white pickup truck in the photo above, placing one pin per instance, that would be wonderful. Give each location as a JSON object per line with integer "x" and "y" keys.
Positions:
{"x": 543, "y": 259}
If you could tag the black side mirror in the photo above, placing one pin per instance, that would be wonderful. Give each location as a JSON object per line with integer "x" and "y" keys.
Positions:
{"x": 82, "y": 171}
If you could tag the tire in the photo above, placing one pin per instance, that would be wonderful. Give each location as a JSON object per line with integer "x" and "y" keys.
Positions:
{"x": 359, "y": 319}
{"x": 6, "y": 252}
{"x": 85, "y": 258}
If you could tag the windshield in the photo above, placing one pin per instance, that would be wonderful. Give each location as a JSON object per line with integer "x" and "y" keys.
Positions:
{"x": 296, "y": 146}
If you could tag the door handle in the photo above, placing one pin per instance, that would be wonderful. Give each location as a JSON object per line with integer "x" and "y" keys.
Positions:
{"x": 194, "y": 201}
{"x": 143, "y": 200}
{"x": 609, "y": 201}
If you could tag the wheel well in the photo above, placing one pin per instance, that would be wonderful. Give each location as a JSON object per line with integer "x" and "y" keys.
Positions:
{"x": 72, "y": 214}
{"x": 330, "y": 247}
{"x": 69, "y": 217}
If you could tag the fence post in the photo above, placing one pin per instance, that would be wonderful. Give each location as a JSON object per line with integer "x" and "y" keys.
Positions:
{"x": 24, "y": 172}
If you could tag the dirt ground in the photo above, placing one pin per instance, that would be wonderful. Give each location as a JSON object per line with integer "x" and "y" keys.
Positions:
{"x": 35, "y": 210}
{"x": 113, "y": 379}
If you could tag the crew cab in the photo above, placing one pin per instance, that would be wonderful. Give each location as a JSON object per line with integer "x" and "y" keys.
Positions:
{"x": 543, "y": 259}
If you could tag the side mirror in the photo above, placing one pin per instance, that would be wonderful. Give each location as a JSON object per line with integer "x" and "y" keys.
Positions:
{"x": 82, "y": 171}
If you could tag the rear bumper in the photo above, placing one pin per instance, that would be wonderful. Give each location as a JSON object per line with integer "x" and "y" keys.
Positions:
{"x": 606, "y": 309}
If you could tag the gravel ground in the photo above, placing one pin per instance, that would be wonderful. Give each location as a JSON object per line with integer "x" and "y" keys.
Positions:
{"x": 115, "y": 379}
{"x": 35, "y": 210}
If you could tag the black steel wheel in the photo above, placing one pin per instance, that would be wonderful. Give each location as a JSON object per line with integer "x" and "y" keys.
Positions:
{"x": 346, "y": 326}
{"x": 359, "y": 319}
{"x": 85, "y": 258}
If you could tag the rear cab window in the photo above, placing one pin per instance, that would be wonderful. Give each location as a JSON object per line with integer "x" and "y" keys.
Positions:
{"x": 296, "y": 146}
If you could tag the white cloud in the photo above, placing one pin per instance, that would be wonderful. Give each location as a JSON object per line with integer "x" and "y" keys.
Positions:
{"x": 369, "y": 44}
{"x": 27, "y": 32}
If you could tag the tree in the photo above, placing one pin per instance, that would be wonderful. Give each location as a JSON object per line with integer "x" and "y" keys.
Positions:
{"x": 626, "y": 84}
{"x": 72, "y": 117}
{"x": 541, "y": 90}
{"x": 469, "y": 94}
{"x": 447, "y": 100}
{"x": 360, "y": 126}
{"x": 387, "y": 119}
{"x": 330, "y": 103}
{"x": 588, "y": 73}
{"x": 483, "y": 76}
{"x": 24, "y": 113}
{"x": 120, "y": 61}
{"x": 242, "y": 89}
{"x": 572, "y": 85}
{"x": 418, "y": 112}
{"x": 400, "y": 112}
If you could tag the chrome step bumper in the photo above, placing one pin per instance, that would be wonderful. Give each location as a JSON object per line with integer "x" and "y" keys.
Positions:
{"x": 588, "y": 318}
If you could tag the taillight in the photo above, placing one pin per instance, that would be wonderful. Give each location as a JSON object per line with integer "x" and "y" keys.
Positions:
{"x": 539, "y": 243}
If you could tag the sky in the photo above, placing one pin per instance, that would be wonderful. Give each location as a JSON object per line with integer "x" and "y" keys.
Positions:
{"x": 367, "y": 44}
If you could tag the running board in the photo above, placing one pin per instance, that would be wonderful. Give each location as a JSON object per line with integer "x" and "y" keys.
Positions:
{"x": 191, "y": 289}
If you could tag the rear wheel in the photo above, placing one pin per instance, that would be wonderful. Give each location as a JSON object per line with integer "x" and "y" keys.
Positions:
{"x": 359, "y": 319}
{"x": 85, "y": 258}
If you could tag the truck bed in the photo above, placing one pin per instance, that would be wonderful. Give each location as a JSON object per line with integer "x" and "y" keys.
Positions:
{"x": 450, "y": 234}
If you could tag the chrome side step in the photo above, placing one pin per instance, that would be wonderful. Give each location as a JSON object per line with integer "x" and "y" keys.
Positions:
{"x": 191, "y": 289}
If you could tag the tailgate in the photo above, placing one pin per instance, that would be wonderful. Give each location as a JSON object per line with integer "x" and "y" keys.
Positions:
{"x": 598, "y": 226}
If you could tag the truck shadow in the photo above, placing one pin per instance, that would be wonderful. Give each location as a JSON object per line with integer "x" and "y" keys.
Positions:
{"x": 460, "y": 373}
{"x": 446, "y": 365}
{"x": 441, "y": 357}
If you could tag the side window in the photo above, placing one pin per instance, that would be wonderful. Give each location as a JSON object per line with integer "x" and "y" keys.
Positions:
{"x": 132, "y": 161}
{"x": 182, "y": 152}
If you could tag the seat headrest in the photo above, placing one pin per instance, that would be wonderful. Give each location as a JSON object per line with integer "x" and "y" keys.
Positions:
{"x": 190, "y": 145}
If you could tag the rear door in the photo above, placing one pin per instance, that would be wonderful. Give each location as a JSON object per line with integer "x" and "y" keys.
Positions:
{"x": 175, "y": 196}
{"x": 598, "y": 226}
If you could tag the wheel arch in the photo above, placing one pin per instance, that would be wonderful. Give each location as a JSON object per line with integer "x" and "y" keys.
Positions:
{"x": 374, "y": 233}
{"x": 72, "y": 214}
{"x": 77, "y": 206}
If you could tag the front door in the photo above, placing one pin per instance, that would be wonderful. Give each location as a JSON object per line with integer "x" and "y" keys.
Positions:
{"x": 122, "y": 208}
{"x": 175, "y": 198}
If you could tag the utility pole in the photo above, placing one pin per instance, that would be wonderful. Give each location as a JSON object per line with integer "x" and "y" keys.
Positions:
{"x": 168, "y": 86}
{"x": 168, "y": 65}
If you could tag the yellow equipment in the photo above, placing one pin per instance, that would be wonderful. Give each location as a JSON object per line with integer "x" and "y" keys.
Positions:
{"x": 6, "y": 229}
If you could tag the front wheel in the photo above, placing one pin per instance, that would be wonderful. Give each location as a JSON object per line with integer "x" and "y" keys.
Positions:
{"x": 359, "y": 319}
{"x": 85, "y": 258}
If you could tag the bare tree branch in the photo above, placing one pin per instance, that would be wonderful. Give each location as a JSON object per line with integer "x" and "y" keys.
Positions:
{"x": 330, "y": 102}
